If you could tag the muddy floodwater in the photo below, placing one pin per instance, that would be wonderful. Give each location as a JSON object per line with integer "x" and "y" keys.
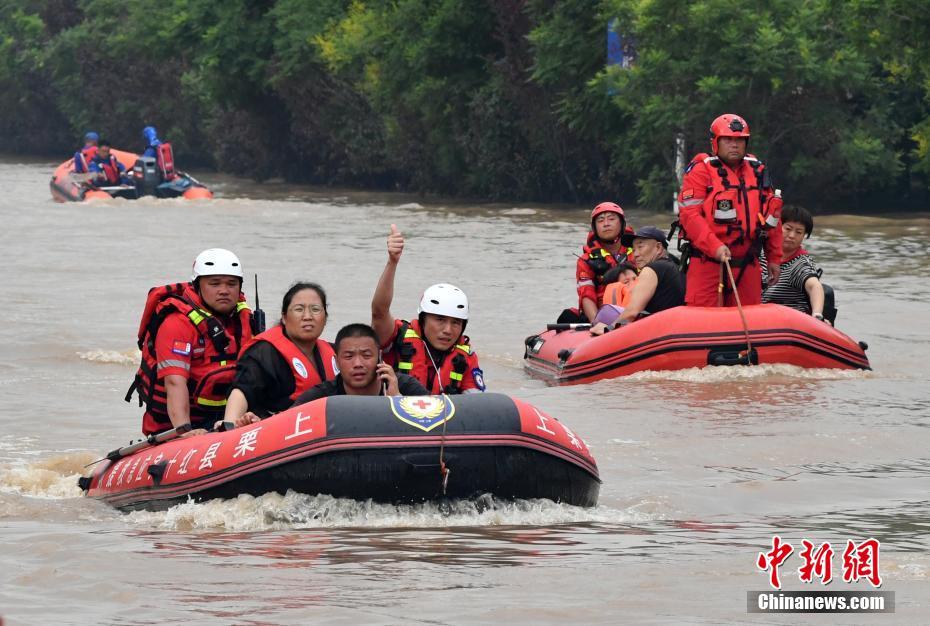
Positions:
{"x": 700, "y": 468}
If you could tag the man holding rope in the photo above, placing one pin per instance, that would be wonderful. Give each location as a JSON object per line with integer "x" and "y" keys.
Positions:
{"x": 729, "y": 212}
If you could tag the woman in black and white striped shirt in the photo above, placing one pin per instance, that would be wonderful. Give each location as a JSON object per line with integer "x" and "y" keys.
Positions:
{"x": 798, "y": 284}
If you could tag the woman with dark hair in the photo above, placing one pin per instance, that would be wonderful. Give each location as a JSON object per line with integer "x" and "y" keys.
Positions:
{"x": 284, "y": 361}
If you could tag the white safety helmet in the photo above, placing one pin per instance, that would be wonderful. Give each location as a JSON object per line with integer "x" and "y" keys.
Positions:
{"x": 216, "y": 262}
{"x": 444, "y": 299}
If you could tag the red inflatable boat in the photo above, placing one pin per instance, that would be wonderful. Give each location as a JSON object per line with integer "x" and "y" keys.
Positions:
{"x": 68, "y": 186}
{"x": 686, "y": 337}
{"x": 388, "y": 449}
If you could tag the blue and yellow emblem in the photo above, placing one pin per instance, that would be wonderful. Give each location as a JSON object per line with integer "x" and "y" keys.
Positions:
{"x": 424, "y": 412}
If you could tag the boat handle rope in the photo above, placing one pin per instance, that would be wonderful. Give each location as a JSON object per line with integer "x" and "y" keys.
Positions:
{"x": 742, "y": 314}
{"x": 444, "y": 469}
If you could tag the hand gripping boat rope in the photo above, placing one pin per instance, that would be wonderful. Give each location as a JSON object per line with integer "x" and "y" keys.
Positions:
{"x": 739, "y": 307}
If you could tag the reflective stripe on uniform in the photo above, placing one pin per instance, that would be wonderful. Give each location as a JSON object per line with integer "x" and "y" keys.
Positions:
{"x": 692, "y": 202}
{"x": 454, "y": 376}
{"x": 207, "y": 402}
{"x": 173, "y": 363}
{"x": 197, "y": 316}
{"x": 405, "y": 365}
{"x": 585, "y": 283}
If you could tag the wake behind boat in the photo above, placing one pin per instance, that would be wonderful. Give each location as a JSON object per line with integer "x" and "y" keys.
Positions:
{"x": 687, "y": 337}
{"x": 387, "y": 449}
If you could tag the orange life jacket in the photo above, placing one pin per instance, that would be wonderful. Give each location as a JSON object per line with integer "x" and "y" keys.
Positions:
{"x": 617, "y": 293}
{"x": 210, "y": 376}
{"x": 307, "y": 373}
{"x": 409, "y": 356}
{"x": 164, "y": 156}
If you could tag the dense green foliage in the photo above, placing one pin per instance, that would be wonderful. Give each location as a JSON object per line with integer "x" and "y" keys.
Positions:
{"x": 496, "y": 99}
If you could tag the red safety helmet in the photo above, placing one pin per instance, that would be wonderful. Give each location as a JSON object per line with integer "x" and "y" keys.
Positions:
{"x": 608, "y": 207}
{"x": 728, "y": 125}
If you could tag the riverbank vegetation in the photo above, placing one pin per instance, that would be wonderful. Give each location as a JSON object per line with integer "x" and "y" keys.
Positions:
{"x": 490, "y": 99}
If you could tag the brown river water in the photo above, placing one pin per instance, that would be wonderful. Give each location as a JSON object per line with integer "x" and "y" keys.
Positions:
{"x": 700, "y": 467}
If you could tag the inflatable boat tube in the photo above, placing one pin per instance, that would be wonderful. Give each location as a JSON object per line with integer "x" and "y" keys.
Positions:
{"x": 388, "y": 449}
{"x": 686, "y": 337}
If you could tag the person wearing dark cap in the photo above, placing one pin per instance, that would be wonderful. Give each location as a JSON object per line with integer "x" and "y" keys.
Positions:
{"x": 659, "y": 285}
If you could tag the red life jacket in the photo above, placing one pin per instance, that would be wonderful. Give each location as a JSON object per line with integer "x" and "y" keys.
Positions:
{"x": 409, "y": 354}
{"x": 211, "y": 374}
{"x": 164, "y": 155}
{"x": 306, "y": 371}
{"x": 87, "y": 155}
{"x": 110, "y": 168}
{"x": 739, "y": 211}
{"x": 599, "y": 261}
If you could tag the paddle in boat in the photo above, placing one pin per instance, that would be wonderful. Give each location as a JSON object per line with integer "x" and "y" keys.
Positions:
{"x": 686, "y": 337}
{"x": 68, "y": 186}
{"x": 401, "y": 449}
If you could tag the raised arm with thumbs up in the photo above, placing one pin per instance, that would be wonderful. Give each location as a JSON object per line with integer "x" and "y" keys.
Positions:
{"x": 381, "y": 319}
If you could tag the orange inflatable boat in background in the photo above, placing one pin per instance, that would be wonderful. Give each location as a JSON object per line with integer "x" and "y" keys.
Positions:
{"x": 68, "y": 186}
{"x": 686, "y": 337}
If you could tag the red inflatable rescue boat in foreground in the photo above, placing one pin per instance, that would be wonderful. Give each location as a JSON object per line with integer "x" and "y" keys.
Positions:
{"x": 68, "y": 186}
{"x": 388, "y": 449}
{"x": 686, "y": 337}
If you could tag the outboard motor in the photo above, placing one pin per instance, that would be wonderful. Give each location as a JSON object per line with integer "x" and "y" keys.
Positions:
{"x": 146, "y": 176}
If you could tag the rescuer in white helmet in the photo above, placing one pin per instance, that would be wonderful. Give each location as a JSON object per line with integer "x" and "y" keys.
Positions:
{"x": 190, "y": 337}
{"x": 433, "y": 348}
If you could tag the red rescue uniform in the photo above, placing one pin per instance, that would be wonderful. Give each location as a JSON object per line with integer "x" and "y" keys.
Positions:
{"x": 720, "y": 205}
{"x": 183, "y": 347}
{"x": 595, "y": 261}
{"x": 458, "y": 367}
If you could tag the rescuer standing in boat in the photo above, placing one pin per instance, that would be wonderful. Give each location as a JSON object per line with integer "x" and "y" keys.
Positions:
{"x": 729, "y": 211}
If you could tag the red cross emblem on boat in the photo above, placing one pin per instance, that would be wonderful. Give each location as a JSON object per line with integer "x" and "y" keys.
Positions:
{"x": 424, "y": 412}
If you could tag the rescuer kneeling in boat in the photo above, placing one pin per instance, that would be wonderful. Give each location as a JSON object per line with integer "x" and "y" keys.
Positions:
{"x": 729, "y": 211}
{"x": 432, "y": 348}
{"x": 659, "y": 285}
{"x": 603, "y": 251}
{"x": 105, "y": 168}
{"x": 190, "y": 336}
{"x": 798, "y": 285}
{"x": 284, "y": 361}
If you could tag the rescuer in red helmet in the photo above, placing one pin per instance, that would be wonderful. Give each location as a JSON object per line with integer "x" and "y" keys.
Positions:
{"x": 602, "y": 252}
{"x": 729, "y": 210}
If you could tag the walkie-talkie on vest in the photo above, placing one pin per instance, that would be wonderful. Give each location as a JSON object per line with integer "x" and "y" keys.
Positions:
{"x": 258, "y": 316}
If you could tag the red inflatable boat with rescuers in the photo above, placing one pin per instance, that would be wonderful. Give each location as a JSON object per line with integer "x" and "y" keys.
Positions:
{"x": 396, "y": 449}
{"x": 145, "y": 175}
{"x": 691, "y": 337}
